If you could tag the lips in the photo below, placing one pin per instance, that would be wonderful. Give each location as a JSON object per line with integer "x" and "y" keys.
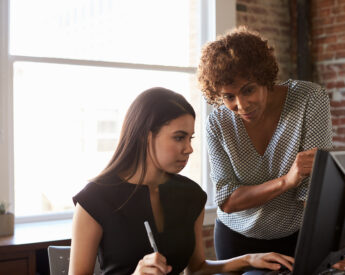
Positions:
{"x": 182, "y": 162}
{"x": 249, "y": 115}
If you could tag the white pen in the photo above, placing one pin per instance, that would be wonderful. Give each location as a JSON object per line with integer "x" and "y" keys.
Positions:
{"x": 150, "y": 235}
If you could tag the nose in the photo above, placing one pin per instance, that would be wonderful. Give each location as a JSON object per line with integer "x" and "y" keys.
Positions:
{"x": 241, "y": 104}
{"x": 188, "y": 149}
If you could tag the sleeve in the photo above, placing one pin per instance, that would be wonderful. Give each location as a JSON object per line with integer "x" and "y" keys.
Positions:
{"x": 198, "y": 201}
{"x": 90, "y": 199}
{"x": 317, "y": 130}
{"x": 222, "y": 173}
{"x": 190, "y": 196}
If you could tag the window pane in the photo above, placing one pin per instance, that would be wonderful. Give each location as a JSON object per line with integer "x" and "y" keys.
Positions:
{"x": 67, "y": 120}
{"x": 135, "y": 31}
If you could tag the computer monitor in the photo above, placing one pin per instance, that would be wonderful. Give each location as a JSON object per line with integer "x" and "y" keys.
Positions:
{"x": 321, "y": 241}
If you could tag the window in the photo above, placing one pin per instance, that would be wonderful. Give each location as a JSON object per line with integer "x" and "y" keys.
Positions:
{"x": 72, "y": 68}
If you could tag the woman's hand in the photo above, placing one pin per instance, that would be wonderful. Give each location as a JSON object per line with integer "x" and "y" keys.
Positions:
{"x": 270, "y": 260}
{"x": 301, "y": 168}
{"x": 340, "y": 265}
{"x": 154, "y": 263}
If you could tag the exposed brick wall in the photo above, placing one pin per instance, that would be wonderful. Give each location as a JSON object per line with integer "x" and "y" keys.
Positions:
{"x": 208, "y": 242}
{"x": 328, "y": 52}
{"x": 272, "y": 19}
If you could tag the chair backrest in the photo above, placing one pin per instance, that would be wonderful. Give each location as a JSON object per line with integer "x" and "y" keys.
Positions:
{"x": 59, "y": 260}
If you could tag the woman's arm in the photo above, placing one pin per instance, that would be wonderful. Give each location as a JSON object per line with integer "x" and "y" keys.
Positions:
{"x": 86, "y": 235}
{"x": 232, "y": 196}
{"x": 246, "y": 197}
{"x": 199, "y": 265}
{"x": 317, "y": 129}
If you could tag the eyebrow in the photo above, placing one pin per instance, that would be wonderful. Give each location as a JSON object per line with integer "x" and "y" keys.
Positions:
{"x": 181, "y": 132}
{"x": 243, "y": 87}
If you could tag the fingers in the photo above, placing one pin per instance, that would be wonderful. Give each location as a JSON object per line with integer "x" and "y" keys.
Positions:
{"x": 275, "y": 260}
{"x": 270, "y": 265}
{"x": 311, "y": 151}
{"x": 340, "y": 265}
{"x": 301, "y": 167}
{"x": 288, "y": 258}
{"x": 151, "y": 270}
{"x": 154, "y": 263}
{"x": 271, "y": 260}
{"x": 305, "y": 161}
{"x": 306, "y": 157}
{"x": 157, "y": 260}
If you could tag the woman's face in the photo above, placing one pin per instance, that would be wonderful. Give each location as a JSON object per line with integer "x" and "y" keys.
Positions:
{"x": 246, "y": 99}
{"x": 170, "y": 148}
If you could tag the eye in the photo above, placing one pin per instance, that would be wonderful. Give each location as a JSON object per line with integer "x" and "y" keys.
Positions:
{"x": 228, "y": 97}
{"x": 248, "y": 90}
{"x": 179, "y": 138}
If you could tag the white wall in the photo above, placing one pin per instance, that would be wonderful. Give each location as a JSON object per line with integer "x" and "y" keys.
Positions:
{"x": 6, "y": 140}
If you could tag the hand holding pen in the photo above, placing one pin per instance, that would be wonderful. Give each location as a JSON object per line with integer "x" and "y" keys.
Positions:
{"x": 154, "y": 263}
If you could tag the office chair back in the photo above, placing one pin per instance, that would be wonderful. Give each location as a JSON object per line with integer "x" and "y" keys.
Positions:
{"x": 59, "y": 260}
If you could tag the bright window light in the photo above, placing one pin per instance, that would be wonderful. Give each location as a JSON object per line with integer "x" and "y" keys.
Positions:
{"x": 68, "y": 115}
{"x": 134, "y": 31}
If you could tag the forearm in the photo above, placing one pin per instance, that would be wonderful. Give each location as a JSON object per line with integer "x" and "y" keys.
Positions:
{"x": 246, "y": 197}
{"x": 214, "y": 267}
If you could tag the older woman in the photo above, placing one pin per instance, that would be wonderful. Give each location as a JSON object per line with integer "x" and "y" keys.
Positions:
{"x": 262, "y": 140}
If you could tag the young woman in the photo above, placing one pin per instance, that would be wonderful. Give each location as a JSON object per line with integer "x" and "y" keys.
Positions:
{"x": 141, "y": 183}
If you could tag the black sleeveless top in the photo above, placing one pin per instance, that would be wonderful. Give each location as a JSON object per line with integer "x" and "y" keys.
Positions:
{"x": 124, "y": 241}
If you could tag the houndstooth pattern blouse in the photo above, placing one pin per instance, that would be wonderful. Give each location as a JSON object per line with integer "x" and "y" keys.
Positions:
{"x": 305, "y": 122}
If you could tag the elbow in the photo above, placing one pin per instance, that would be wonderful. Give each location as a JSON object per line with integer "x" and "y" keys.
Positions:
{"x": 230, "y": 205}
{"x": 228, "y": 208}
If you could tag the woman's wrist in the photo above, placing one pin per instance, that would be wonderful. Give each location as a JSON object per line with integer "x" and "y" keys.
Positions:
{"x": 247, "y": 260}
{"x": 287, "y": 183}
{"x": 284, "y": 183}
{"x": 239, "y": 263}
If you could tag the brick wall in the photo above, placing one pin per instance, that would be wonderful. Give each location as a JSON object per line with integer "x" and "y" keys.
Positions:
{"x": 328, "y": 52}
{"x": 208, "y": 242}
{"x": 272, "y": 19}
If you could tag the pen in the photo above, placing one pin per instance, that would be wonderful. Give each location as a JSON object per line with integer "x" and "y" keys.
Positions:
{"x": 150, "y": 235}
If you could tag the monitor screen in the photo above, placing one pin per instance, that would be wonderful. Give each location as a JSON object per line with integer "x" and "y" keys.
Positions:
{"x": 321, "y": 241}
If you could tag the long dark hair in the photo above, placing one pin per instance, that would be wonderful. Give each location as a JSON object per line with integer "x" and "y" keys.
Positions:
{"x": 151, "y": 110}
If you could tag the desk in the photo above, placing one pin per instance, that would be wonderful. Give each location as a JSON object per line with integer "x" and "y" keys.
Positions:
{"x": 23, "y": 252}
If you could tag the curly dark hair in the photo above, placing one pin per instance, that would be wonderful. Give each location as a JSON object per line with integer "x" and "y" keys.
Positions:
{"x": 239, "y": 53}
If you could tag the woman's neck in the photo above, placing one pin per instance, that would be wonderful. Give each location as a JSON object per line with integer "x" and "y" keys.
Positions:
{"x": 277, "y": 96}
{"x": 153, "y": 178}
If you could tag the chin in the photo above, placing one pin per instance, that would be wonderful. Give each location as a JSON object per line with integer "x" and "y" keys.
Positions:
{"x": 177, "y": 170}
{"x": 250, "y": 120}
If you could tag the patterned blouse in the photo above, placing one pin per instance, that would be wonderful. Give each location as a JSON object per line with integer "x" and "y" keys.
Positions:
{"x": 305, "y": 122}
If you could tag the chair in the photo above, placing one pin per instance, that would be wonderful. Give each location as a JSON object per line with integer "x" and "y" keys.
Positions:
{"x": 59, "y": 260}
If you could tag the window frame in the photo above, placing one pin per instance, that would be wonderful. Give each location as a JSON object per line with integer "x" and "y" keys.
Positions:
{"x": 216, "y": 17}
